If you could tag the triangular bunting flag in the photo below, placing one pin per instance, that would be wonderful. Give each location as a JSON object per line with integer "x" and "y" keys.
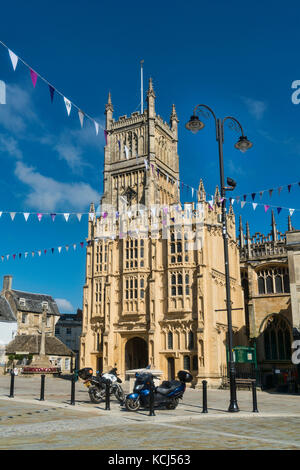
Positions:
{"x": 266, "y": 207}
{"x": 254, "y": 205}
{"x": 81, "y": 117}
{"x": 261, "y": 193}
{"x": 0, "y": 214}
{"x": 14, "y": 59}
{"x": 32, "y": 253}
{"x": 26, "y": 254}
{"x": 59, "y": 249}
{"x": 53, "y": 217}
{"x": 39, "y": 252}
{"x": 96, "y": 127}
{"x": 68, "y": 105}
{"x": 289, "y": 187}
{"x": 270, "y": 192}
{"x": 12, "y": 215}
{"x": 79, "y": 217}
{"x": 279, "y": 189}
{"x": 67, "y": 247}
{"x": 51, "y": 89}
{"x": 26, "y": 215}
{"x": 291, "y": 211}
{"x": 81, "y": 244}
{"x": 14, "y": 256}
{"x": 279, "y": 209}
{"x": 253, "y": 196}
{"x": 34, "y": 76}
{"x": 74, "y": 246}
{"x": 242, "y": 204}
{"x": 66, "y": 216}
{"x": 39, "y": 216}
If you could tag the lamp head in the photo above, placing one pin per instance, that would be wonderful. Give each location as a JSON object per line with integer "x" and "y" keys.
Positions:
{"x": 243, "y": 144}
{"x": 231, "y": 183}
{"x": 194, "y": 124}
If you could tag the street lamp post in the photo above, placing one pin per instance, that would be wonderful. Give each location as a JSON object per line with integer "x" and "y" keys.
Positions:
{"x": 243, "y": 144}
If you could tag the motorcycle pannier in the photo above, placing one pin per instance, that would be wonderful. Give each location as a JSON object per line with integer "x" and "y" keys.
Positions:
{"x": 85, "y": 373}
{"x": 184, "y": 376}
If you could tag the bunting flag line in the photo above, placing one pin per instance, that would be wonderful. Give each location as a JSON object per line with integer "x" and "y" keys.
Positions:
{"x": 34, "y": 75}
{"x": 45, "y": 251}
{"x": 81, "y": 117}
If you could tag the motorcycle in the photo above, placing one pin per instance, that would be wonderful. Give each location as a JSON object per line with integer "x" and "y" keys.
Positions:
{"x": 167, "y": 394}
{"x": 97, "y": 384}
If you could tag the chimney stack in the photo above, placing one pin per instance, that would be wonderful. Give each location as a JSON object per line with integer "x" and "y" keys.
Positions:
{"x": 7, "y": 282}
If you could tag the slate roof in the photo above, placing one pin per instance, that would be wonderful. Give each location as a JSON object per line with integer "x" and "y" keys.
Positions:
{"x": 6, "y": 313}
{"x": 31, "y": 344}
{"x": 33, "y": 302}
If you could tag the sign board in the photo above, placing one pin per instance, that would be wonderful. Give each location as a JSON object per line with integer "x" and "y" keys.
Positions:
{"x": 243, "y": 354}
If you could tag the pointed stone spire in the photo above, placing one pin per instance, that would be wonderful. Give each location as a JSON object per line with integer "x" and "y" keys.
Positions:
{"x": 174, "y": 120}
{"x": 151, "y": 100}
{"x": 241, "y": 235}
{"x": 274, "y": 229}
{"x": 217, "y": 196}
{"x": 150, "y": 91}
{"x": 248, "y": 236}
{"x": 109, "y": 111}
{"x": 290, "y": 227}
{"x": 201, "y": 192}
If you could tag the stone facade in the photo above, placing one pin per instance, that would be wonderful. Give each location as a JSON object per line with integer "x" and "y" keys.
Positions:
{"x": 270, "y": 272}
{"x": 157, "y": 295}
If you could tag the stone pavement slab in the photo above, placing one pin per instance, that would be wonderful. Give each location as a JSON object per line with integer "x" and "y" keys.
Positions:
{"x": 27, "y": 423}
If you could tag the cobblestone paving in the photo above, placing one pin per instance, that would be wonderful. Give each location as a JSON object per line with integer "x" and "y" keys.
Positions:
{"x": 27, "y": 423}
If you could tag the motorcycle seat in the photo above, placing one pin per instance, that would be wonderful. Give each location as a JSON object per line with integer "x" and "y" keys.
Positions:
{"x": 166, "y": 387}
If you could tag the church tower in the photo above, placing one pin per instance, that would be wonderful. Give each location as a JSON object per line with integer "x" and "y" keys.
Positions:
{"x": 134, "y": 145}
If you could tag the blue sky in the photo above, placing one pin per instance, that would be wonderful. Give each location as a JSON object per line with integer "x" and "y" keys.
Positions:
{"x": 241, "y": 61}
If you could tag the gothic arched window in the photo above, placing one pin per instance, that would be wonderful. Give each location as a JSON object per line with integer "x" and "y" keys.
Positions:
{"x": 186, "y": 362}
{"x": 277, "y": 339}
{"x": 170, "y": 340}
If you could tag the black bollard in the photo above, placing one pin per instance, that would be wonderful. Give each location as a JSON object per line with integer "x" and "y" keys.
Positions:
{"x": 12, "y": 384}
{"x": 255, "y": 410}
{"x": 151, "y": 399}
{"x": 42, "y": 394}
{"x": 107, "y": 395}
{"x": 73, "y": 390}
{"x": 204, "y": 397}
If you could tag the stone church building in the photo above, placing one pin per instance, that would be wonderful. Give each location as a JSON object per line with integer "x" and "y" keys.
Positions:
{"x": 154, "y": 291}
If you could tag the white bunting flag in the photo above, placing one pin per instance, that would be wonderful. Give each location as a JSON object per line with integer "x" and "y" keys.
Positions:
{"x": 79, "y": 217}
{"x": 26, "y": 215}
{"x": 12, "y": 214}
{"x": 91, "y": 215}
{"x": 7, "y": 257}
{"x": 0, "y": 214}
{"x": 14, "y": 59}
{"x": 39, "y": 252}
{"x": 68, "y": 105}
{"x": 232, "y": 201}
{"x": 74, "y": 246}
{"x": 59, "y": 249}
{"x": 96, "y": 127}
{"x": 67, "y": 247}
{"x": 126, "y": 151}
{"x": 26, "y": 253}
{"x": 291, "y": 211}
{"x": 254, "y": 204}
{"x": 66, "y": 216}
{"x": 242, "y": 204}
{"x": 81, "y": 117}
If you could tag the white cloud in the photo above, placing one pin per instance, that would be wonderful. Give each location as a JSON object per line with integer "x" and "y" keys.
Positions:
{"x": 49, "y": 194}
{"x": 64, "y": 305}
{"x": 18, "y": 112}
{"x": 255, "y": 107}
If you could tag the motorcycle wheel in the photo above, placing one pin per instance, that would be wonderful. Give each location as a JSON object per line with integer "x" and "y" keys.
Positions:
{"x": 96, "y": 395}
{"x": 132, "y": 405}
{"x": 173, "y": 404}
{"x": 119, "y": 394}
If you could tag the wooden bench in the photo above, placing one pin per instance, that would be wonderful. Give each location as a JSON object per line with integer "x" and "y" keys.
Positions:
{"x": 239, "y": 382}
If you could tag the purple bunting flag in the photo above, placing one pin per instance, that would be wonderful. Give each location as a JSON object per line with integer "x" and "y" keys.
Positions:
{"x": 34, "y": 76}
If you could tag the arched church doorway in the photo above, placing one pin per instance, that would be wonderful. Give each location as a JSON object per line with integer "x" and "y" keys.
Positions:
{"x": 136, "y": 353}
